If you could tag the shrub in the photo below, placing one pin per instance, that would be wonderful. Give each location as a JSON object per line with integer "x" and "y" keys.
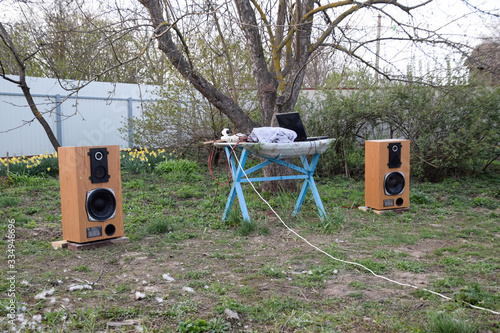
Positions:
{"x": 344, "y": 115}
{"x": 453, "y": 129}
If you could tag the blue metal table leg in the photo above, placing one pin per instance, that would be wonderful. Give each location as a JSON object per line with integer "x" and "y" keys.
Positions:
{"x": 317, "y": 199}
{"x": 309, "y": 182}
{"x": 237, "y": 173}
{"x": 302, "y": 196}
{"x": 229, "y": 202}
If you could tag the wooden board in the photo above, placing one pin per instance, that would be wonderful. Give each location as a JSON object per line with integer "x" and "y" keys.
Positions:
{"x": 380, "y": 212}
{"x": 97, "y": 244}
{"x": 59, "y": 244}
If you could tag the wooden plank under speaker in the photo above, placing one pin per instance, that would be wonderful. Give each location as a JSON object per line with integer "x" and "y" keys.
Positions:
{"x": 97, "y": 244}
{"x": 387, "y": 174}
{"x": 381, "y": 212}
{"x": 91, "y": 210}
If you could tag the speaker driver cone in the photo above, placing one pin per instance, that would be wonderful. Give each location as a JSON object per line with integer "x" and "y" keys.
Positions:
{"x": 394, "y": 183}
{"x": 101, "y": 204}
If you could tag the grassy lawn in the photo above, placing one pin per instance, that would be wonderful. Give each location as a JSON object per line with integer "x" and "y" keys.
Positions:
{"x": 191, "y": 267}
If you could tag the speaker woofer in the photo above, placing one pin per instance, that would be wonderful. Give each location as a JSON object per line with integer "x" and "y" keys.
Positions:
{"x": 101, "y": 204}
{"x": 394, "y": 183}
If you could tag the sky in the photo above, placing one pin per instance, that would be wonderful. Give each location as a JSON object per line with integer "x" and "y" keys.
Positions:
{"x": 459, "y": 20}
{"x": 453, "y": 19}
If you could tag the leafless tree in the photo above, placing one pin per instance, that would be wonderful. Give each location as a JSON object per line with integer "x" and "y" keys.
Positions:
{"x": 286, "y": 40}
{"x": 65, "y": 40}
{"x": 283, "y": 38}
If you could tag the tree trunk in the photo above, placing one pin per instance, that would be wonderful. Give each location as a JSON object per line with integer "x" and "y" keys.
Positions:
{"x": 265, "y": 80}
{"x": 218, "y": 99}
{"x": 275, "y": 186}
{"x": 38, "y": 115}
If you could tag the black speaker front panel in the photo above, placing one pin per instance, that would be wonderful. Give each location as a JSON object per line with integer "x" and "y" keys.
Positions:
{"x": 98, "y": 165}
{"x": 394, "y": 155}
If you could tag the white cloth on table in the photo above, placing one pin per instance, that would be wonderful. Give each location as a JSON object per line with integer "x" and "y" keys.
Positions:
{"x": 272, "y": 135}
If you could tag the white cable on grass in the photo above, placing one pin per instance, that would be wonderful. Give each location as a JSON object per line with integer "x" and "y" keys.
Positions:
{"x": 346, "y": 261}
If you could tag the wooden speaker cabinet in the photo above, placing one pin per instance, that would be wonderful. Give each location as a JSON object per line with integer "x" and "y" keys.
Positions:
{"x": 91, "y": 193}
{"x": 387, "y": 174}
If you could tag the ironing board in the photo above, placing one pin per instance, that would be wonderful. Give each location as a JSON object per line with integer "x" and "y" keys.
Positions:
{"x": 274, "y": 153}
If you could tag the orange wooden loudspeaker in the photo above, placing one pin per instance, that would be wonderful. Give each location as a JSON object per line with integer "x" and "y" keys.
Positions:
{"x": 387, "y": 174}
{"x": 91, "y": 193}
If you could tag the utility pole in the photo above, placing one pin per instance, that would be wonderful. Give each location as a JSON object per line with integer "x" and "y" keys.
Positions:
{"x": 377, "y": 52}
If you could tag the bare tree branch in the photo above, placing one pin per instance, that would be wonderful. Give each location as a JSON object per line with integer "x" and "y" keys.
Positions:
{"x": 165, "y": 42}
{"x": 4, "y": 35}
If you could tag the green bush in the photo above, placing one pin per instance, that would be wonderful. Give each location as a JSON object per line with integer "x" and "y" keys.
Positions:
{"x": 453, "y": 129}
{"x": 343, "y": 115}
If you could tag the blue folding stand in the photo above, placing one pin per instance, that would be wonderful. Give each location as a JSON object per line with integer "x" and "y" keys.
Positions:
{"x": 239, "y": 177}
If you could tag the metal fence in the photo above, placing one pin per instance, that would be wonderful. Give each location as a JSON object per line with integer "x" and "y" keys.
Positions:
{"x": 94, "y": 116}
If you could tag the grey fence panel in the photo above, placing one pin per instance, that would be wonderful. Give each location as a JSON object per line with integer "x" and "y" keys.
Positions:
{"x": 97, "y": 123}
{"x": 20, "y": 133}
{"x": 93, "y": 117}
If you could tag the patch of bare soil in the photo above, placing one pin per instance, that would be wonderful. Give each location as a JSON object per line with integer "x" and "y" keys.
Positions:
{"x": 40, "y": 233}
{"x": 374, "y": 288}
{"x": 424, "y": 247}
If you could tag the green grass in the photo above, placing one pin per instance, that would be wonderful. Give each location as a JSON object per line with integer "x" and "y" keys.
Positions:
{"x": 269, "y": 276}
{"x": 82, "y": 269}
{"x": 9, "y": 201}
{"x": 445, "y": 323}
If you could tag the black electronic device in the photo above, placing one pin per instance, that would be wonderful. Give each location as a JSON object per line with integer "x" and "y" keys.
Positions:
{"x": 292, "y": 121}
